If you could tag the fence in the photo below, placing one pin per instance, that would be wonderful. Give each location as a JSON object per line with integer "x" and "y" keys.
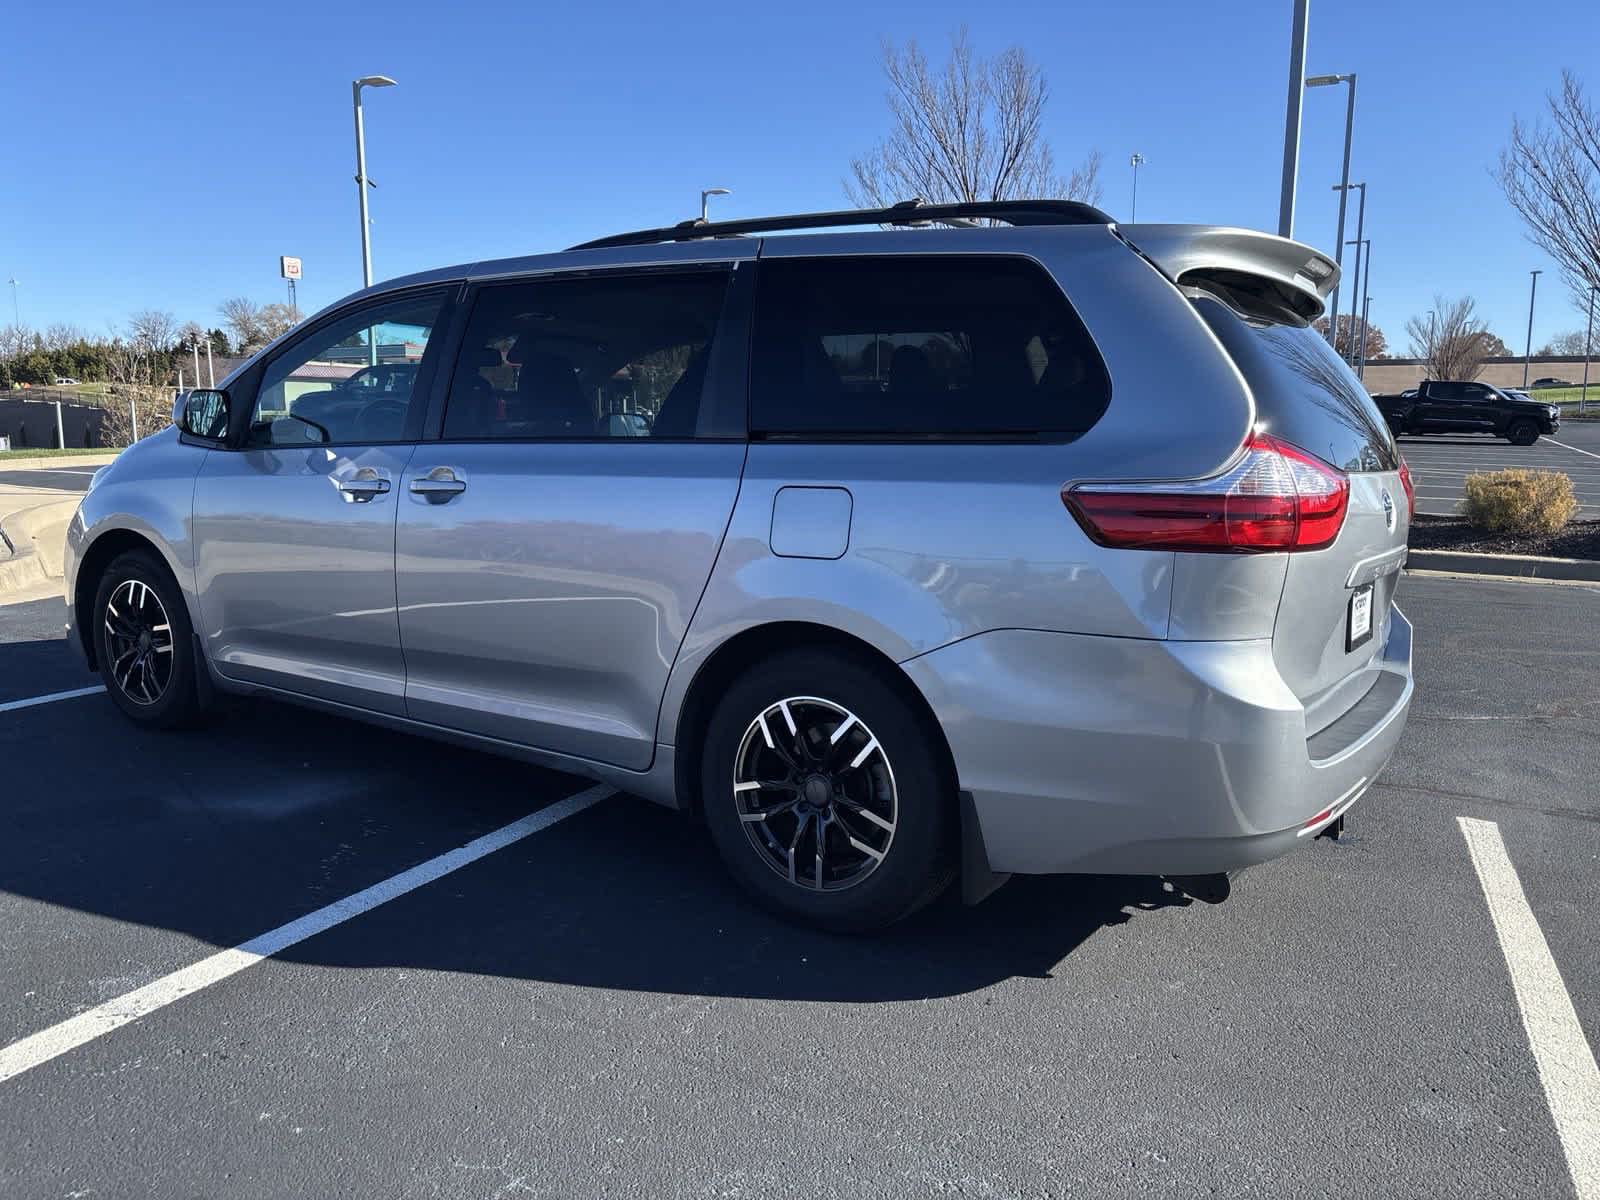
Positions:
{"x": 31, "y": 423}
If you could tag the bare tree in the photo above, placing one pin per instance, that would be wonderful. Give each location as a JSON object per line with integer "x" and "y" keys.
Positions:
{"x": 1453, "y": 340}
{"x": 15, "y": 340}
{"x": 1569, "y": 343}
{"x": 1551, "y": 175}
{"x": 277, "y": 319}
{"x": 242, "y": 317}
{"x": 1347, "y": 341}
{"x": 62, "y": 335}
{"x": 153, "y": 331}
{"x": 972, "y": 131}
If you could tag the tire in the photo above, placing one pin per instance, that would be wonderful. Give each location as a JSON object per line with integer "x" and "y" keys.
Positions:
{"x": 1523, "y": 433}
{"x": 873, "y": 750}
{"x": 149, "y": 671}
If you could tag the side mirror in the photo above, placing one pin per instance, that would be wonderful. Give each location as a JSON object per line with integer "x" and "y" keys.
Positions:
{"x": 205, "y": 414}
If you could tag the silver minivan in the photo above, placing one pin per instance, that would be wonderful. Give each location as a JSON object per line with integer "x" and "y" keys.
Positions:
{"x": 1011, "y": 540}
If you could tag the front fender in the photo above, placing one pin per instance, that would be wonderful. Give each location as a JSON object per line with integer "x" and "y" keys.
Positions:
{"x": 146, "y": 495}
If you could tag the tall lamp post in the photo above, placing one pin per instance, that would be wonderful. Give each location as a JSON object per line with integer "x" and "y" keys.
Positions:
{"x": 1291, "y": 117}
{"x": 1527, "y": 348}
{"x": 362, "y": 182}
{"x": 1362, "y": 245}
{"x": 1366, "y": 315}
{"x": 1135, "y": 161}
{"x": 1355, "y": 283}
{"x": 1588, "y": 339}
{"x": 705, "y": 196}
{"x": 1344, "y": 180}
{"x": 16, "y": 308}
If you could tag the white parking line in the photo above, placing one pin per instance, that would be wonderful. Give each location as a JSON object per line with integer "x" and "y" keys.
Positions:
{"x": 9, "y": 705}
{"x": 1576, "y": 450}
{"x": 76, "y": 1031}
{"x": 1566, "y": 1063}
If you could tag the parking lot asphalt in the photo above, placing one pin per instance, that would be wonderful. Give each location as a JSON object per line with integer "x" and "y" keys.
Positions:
{"x": 1440, "y": 464}
{"x": 594, "y": 1011}
{"x": 64, "y": 479}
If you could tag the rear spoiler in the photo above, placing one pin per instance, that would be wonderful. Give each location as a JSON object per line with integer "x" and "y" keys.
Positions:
{"x": 1259, "y": 273}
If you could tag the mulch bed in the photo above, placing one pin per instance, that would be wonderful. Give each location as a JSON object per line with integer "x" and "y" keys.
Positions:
{"x": 1580, "y": 539}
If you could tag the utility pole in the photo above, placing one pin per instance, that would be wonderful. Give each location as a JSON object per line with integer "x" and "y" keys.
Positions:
{"x": 16, "y": 310}
{"x": 1291, "y": 117}
{"x": 1135, "y": 161}
{"x": 1527, "y": 349}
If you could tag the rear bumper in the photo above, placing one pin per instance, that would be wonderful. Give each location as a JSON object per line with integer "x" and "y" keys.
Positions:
{"x": 1129, "y": 756}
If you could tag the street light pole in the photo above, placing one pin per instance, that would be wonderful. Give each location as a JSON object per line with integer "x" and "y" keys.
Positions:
{"x": 1355, "y": 283}
{"x": 1291, "y": 117}
{"x": 706, "y": 195}
{"x": 1588, "y": 338}
{"x": 1527, "y": 349}
{"x": 1366, "y": 315}
{"x": 362, "y": 182}
{"x": 1355, "y": 297}
{"x": 1344, "y": 182}
{"x": 16, "y": 308}
{"x": 1134, "y": 161}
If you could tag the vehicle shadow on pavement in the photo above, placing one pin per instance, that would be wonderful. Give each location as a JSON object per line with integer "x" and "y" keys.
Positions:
{"x": 224, "y": 832}
{"x": 34, "y": 668}
{"x": 631, "y": 896}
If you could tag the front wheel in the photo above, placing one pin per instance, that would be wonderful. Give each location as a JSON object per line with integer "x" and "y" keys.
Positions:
{"x": 143, "y": 642}
{"x": 1523, "y": 433}
{"x": 825, "y": 792}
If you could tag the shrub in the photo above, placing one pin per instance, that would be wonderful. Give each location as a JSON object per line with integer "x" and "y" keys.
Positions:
{"x": 155, "y": 413}
{"x": 1519, "y": 501}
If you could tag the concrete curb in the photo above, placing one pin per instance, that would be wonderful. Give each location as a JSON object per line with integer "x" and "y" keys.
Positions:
{"x": 37, "y": 536}
{"x": 1526, "y": 566}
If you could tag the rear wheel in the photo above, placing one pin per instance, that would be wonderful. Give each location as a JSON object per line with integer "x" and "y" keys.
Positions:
{"x": 143, "y": 641}
{"x": 1523, "y": 433}
{"x": 826, "y": 794}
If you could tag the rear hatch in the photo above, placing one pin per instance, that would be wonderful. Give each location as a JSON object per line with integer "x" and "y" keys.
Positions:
{"x": 1333, "y": 618}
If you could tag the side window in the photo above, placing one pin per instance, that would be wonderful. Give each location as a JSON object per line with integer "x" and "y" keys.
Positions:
{"x": 1475, "y": 393}
{"x": 911, "y": 347}
{"x": 599, "y": 356}
{"x": 1445, "y": 391}
{"x": 350, "y": 381}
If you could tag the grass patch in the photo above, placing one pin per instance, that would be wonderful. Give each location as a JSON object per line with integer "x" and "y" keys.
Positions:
{"x": 40, "y": 452}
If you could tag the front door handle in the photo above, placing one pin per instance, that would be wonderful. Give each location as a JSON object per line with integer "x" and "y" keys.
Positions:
{"x": 361, "y": 487}
{"x": 438, "y": 485}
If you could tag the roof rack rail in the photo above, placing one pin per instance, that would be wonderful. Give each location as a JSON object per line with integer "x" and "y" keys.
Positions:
{"x": 907, "y": 212}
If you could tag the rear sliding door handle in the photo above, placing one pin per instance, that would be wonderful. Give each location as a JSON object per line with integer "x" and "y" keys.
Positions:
{"x": 438, "y": 485}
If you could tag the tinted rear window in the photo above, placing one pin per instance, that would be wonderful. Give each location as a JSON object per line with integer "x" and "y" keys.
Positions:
{"x": 910, "y": 347}
{"x": 1305, "y": 393}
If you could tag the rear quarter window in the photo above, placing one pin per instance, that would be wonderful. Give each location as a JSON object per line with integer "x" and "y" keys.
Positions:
{"x": 902, "y": 347}
{"x": 1305, "y": 393}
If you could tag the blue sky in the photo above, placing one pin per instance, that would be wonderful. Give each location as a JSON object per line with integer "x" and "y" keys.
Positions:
{"x": 164, "y": 155}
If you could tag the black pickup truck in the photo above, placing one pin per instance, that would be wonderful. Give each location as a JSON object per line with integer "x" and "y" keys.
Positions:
{"x": 1450, "y": 406}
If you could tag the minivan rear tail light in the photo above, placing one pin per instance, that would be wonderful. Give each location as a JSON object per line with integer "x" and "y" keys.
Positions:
{"x": 1274, "y": 497}
{"x": 1411, "y": 489}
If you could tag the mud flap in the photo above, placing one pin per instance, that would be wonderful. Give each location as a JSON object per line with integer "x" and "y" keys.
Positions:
{"x": 978, "y": 880}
